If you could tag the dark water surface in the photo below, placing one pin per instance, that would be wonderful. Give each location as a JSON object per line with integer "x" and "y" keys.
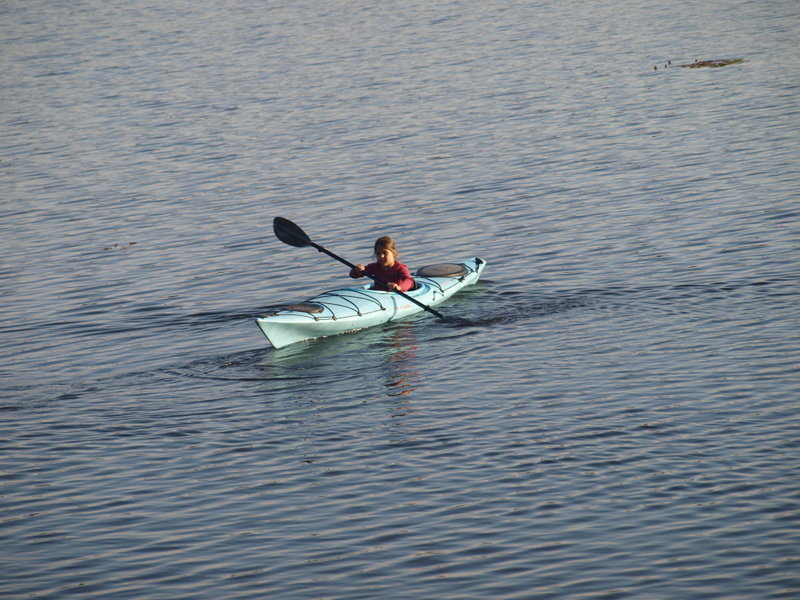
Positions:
{"x": 619, "y": 417}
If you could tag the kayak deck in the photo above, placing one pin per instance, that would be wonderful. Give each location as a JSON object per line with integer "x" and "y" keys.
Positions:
{"x": 350, "y": 309}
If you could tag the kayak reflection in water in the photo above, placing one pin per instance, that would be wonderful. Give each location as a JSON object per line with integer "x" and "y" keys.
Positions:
{"x": 402, "y": 373}
{"x": 387, "y": 268}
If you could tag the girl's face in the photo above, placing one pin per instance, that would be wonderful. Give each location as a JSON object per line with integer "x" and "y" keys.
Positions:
{"x": 385, "y": 257}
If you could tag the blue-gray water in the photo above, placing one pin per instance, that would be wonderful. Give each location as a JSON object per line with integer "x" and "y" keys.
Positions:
{"x": 620, "y": 418}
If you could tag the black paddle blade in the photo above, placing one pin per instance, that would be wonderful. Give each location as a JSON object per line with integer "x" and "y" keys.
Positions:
{"x": 289, "y": 233}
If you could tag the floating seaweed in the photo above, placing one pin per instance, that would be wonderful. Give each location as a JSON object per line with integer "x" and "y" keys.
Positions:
{"x": 720, "y": 62}
{"x": 117, "y": 246}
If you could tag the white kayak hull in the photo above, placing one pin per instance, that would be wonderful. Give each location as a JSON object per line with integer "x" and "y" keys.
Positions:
{"x": 350, "y": 309}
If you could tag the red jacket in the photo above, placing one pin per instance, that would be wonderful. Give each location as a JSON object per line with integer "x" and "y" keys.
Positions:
{"x": 398, "y": 274}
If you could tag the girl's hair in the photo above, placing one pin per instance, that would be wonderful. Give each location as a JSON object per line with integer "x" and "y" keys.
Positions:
{"x": 386, "y": 242}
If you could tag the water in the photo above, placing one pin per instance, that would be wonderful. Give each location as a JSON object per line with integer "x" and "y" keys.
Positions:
{"x": 618, "y": 420}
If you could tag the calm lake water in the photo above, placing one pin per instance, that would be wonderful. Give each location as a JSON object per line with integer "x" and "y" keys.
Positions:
{"x": 618, "y": 420}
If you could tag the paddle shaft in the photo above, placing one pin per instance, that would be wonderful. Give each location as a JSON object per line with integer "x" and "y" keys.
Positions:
{"x": 378, "y": 279}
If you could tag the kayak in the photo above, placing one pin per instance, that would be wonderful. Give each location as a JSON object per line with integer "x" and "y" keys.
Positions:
{"x": 353, "y": 308}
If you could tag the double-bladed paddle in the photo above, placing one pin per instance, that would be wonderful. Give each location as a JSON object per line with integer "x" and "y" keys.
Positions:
{"x": 291, "y": 234}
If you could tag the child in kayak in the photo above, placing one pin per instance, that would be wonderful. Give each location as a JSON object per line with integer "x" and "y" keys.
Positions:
{"x": 388, "y": 269}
